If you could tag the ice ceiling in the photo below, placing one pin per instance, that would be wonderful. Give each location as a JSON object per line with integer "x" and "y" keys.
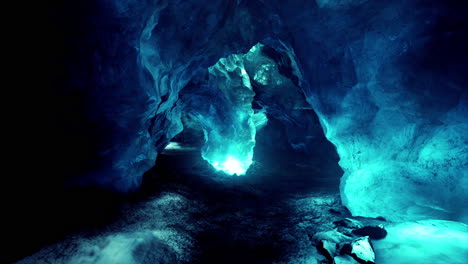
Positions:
{"x": 386, "y": 79}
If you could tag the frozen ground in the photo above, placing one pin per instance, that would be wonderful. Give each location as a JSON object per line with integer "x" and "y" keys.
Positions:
{"x": 188, "y": 218}
{"x": 428, "y": 241}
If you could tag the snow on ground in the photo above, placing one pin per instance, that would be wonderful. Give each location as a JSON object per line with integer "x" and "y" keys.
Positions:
{"x": 428, "y": 241}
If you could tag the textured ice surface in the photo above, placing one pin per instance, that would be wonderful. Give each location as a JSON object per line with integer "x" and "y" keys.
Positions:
{"x": 428, "y": 241}
{"x": 127, "y": 64}
{"x": 386, "y": 79}
{"x": 223, "y": 105}
{"x": 191, "y": 225}
{"x": 393, "y": 100}
{"x": 229, "y": 125}
{"x": 150, "y": 232}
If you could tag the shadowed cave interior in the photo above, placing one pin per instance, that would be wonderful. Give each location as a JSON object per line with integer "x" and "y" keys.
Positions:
{"x": 234, "y": 131}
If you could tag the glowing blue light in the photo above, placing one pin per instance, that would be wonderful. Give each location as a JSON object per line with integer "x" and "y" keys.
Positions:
{"x": 231, "y": 166}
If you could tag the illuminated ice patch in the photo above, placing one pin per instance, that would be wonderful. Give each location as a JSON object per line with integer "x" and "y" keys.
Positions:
{"x": 230, "y": 123}
{"x": 232, "y": 165}
{"x": 173, "y": 146}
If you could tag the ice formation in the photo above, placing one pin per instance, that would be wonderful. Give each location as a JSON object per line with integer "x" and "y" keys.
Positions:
{"x": 229, "y": 124}
{"x": 387, "y": 84}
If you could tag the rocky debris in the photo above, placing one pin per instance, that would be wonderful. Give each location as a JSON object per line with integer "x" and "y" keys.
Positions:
{"x": 349, "y": 241}
{"x": 362, "y": 250}
{"x": 357, "y": 228}
{"x": 348, "y": 223}
{"x": 374, "y": 232}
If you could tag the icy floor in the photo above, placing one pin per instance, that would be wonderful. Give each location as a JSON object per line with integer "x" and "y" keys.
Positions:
{"x": 149, "y": 234}
{"x": 170, "y": 228}
{"x": 429, "y": 241}
{"x": 185, "y": 218}
{"x": 188, "y": 218}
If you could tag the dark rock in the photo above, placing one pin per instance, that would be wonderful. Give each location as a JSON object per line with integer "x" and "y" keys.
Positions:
{"x": 374, "y": 232}
{"x": 335, "y": 212}
{"x": 345, "y": 249}
{"x": 327, "y": 249}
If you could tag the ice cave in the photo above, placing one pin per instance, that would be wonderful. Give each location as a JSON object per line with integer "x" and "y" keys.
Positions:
{"x": 241, "y": 131}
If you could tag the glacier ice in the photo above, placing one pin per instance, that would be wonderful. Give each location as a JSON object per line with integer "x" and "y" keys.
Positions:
{"x": 229, "y": 147}
{"x": 388, "y": 87}
{"x": 228, "y": 121}
{"x": 393, "y": 102}
{"x": 387, "y": 80}
{"x": 427, "y": 241}
{"x": 264, "y": 77}
{"x": 127, "y": 65}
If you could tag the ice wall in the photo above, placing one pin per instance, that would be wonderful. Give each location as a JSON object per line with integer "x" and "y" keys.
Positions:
{"x": 391, "y": 95}
{"x": 126, "y": 64}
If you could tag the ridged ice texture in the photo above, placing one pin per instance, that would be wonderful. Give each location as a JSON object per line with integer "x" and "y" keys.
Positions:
{"x": 387, "y": 79}
{"x": 222, "y": 105}
{"x": 133, "y": 58}
{"x": 391, "y": 95}
{"x": 229, "y": 125}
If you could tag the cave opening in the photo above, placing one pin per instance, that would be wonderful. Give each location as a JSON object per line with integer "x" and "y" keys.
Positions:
{"x": 272, "y": 129}
{"x": 294, "y": 169}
